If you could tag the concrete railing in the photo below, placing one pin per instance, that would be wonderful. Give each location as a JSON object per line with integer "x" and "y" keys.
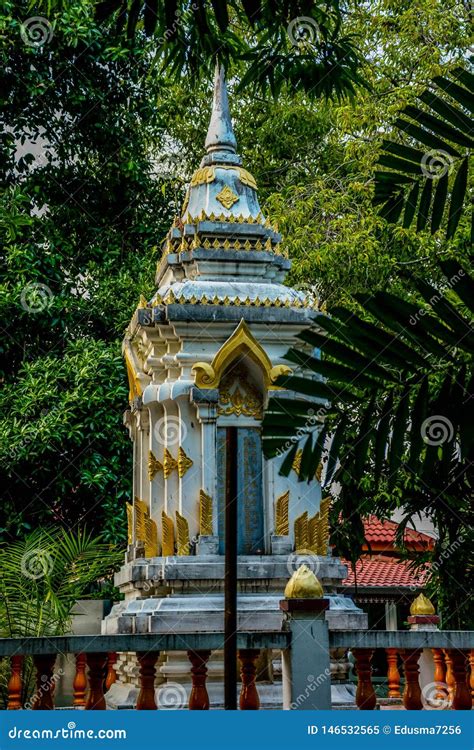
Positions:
{"x": 305, "y": 643}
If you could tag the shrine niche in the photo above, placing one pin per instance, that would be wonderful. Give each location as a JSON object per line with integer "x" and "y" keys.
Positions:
{"x": 238, "y": 395}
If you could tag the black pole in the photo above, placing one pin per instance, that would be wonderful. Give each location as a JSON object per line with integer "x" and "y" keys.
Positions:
{"x": 230, "y": 574}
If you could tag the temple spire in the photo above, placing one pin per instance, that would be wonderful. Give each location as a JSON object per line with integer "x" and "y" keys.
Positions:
{"x": 220, "y": 135}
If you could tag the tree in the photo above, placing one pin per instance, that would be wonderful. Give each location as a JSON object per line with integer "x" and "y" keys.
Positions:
{"x": 82, "y": 209}
{"x": 441, "y": 140}
{"x": 299, "y": 44}
{"x": 393, "y": 392}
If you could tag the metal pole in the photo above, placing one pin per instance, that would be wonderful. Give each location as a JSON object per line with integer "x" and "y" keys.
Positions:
{"x": 230, "y": 574}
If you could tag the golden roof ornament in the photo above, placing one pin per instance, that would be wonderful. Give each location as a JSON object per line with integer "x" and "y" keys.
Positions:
{"x": 303, "y": 584}
{"x": 422, "y": 606}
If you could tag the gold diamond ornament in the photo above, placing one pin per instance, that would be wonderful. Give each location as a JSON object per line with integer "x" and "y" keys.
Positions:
{"x": 227, "y": 197}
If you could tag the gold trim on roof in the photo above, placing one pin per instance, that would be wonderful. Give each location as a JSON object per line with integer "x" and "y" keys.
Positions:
{"x": 135, "y": 389}
{"x": 241, "y": 342}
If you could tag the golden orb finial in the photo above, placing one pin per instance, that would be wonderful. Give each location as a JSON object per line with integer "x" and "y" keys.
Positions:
{"x": 422, "y": 606}
{"x": 303, "y": 584}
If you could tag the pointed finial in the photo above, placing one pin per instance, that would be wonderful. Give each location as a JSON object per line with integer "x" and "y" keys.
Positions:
{"x": 220, "y": 136}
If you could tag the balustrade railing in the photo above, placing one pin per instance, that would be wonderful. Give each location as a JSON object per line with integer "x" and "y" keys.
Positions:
{"x": 95, "y": 657}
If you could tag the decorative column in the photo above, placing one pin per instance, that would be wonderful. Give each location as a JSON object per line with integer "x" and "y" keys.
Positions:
{"x": 199, "y": 699}
{"x": 471, "y": 678}
{"x": 111, "y": 676}
{"x": 412, "y": 693}
{"x": 14, "y": 683}
{"x": 462, "y": 695}
{"x": 43, "y": 697}
{"x": 79, "y": 684}
{"x": 393, "y": 675}
{"x": 365, "y": 696}
{"x": 206, "y": 401}
{"x": 249, "y": 700}
{"x": 423, "y": 617}
{"x": 97, "y": 664}
{"x": 439, "y": 674}
{"x": 306, "y": 665}
{"x": 146, "y": 698}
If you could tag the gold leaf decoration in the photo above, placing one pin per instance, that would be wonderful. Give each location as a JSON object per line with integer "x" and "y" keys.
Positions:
{"x": 313, "y": 526}
{"x": 301, "y": 533}
{"x": 154, "y": 466}
{"x": 205, "y": 514}
{"x": 151, "y": 538}
{"x": 282, "y": 526}
{"x": 227, "y": 197}
{"x": 182, "y": 533}
{"x": 141, "y": 512}
{"x": 129, "y": 508}
{"x": 184, "y": 462}
{"x": 247, "y": 179}
{"x": 323, "y": 527}
{"x": 238, "y": 396}
{"x": 169, "y": 463}
{"x": 296, "y": 465}
{"x": 167, "y": 536}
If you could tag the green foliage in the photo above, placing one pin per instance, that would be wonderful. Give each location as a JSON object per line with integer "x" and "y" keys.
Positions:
{"x": 44, "y": 574}
{"x": 432, "y": 173}
{"x": 298, "y": 45}
{"x": 396, "y": 395}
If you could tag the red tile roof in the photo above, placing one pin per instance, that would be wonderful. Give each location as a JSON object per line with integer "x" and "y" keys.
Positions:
{"x": 383, "y": 572}
{"x": 381, "y": 536}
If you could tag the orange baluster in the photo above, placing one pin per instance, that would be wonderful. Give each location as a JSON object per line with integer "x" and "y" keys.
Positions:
{"x": 146, "y": 697}
{"x": 111, "y": 675}
{"x": 14, "y": 683}
{"x": 471, "y": 678}
{"x": 449, "y": 672}
{"x": 365, "y": 695}
{"x": 198, "y": 698}
{"x": 249, "y": 700}
{"x": 43, "y": 700}
{"x": 79, "y": 684}
{"x": 439, "y": 674}
{"x": 461, "y": 695}
{"x": 97, "y": 664}
{"x": 393, "y": 675}
{"x": 412, "y": 693}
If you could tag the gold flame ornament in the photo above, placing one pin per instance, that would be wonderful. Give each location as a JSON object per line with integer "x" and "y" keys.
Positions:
{"x": 167, "y": 537}
{"x": 205, "y": 514}
{"x": 422, "y": 606}
{"x": 182, "y": 529}
{"x": 154, "y": 466}
{"x": 282, "y": 526}
{"x": 303, "y": 584}
{"x": 184, "y": 462}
